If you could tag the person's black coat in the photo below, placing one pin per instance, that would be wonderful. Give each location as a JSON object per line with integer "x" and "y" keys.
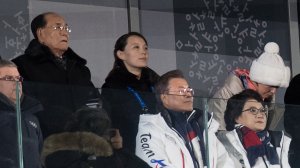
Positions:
{"x": 61, "y": 90}
{"x": 85, "y": 150}
{"x": 38, "y": 64}
{"x": 123, "y": 107}
{"x": 31, "y": 133}
{"x": 292, "y": 118}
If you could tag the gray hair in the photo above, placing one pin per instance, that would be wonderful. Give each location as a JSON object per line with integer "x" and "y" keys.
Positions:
{"x": 7, "y": 63}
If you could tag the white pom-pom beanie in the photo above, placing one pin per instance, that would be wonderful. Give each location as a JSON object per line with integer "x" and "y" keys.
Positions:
{"x": 269, "y": 68}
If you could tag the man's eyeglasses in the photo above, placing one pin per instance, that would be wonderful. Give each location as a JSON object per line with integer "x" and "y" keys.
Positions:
{"x": 184, "y": 91}
{"x": 255, "y": 111}
{"x": 61, "y": 28}
{"x": 12, "y": 78}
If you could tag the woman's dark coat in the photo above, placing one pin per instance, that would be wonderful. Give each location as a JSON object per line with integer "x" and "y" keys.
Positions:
{"x": 123, "y": 107}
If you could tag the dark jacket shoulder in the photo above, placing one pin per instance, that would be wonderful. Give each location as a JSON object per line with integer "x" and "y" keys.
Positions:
{"x": 38, "y": 64}
{"x": 292, "y": 94}
{"x": 120, "y": 78}
{"x": 28, "y": 104}
{"x": 37, "y": 52}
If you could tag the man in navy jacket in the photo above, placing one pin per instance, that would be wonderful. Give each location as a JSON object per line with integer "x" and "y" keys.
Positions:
{"x": 10, "y": 79}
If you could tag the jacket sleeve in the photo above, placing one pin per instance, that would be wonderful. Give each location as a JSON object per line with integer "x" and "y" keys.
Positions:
{"x": 275, "y": 117}
{"x": 9, "y": 141}
{"x": 22, "y": 70}
{"x": 151, "y": 147}
{"x": 285, "y": 151}
{"x": 218, "y": 105}
{"x": 218, "y": 155}
{"x": 223, "y": 158}
{"x": 40, "y": 137}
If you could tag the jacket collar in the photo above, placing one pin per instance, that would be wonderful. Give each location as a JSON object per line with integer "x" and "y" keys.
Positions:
{"x": 41, "y": 53}
{"x": 28, "y": 104}
{"x": 196, "y": 115}
{"x": 5, "y": 103}
{"x": 120, "y": 78}
{"x": 84, "y": 142}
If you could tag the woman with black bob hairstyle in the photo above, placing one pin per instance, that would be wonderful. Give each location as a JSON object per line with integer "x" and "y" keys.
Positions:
{"x": 247, "y": 141}
{"x": 88, "y": 143}
{"x": 128, "y": 88}
{"x": 236, "y": 104}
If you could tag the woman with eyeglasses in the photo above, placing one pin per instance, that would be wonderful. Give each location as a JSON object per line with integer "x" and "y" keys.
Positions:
{"x": 247, "y": 141}
{"x": 128, "y": 88}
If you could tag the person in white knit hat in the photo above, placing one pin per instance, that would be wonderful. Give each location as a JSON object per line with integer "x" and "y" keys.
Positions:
{"x": 267, "y": 73}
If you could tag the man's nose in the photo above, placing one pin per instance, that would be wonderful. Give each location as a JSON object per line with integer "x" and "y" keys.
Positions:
{"x": 144, "y": 51}
{"x": 189, "y": 94}
{"x": 64, "y": 32}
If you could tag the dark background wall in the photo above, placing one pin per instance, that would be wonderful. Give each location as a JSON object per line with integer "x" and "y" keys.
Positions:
{"x": 14, "y": 29}
{"x": 214, "y": 37}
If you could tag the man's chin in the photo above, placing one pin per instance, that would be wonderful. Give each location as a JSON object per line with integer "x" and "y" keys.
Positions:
{"x": 64, "y": 48}
{"x": 268, "y": 99}
{"x": 187, "y": 109}
{"x": 14, "y": 100}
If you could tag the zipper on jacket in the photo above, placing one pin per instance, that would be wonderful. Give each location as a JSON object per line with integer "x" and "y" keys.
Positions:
{"x": 197, "y": 164}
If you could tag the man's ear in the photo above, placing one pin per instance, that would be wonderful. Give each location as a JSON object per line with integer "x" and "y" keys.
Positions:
{"x": 39, "y": 35}
{"x": 120, "y": 55}
{"x": 162, "y": 97}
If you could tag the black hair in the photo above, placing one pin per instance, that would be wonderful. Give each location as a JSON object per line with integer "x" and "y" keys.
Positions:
{"x": 163, "y": 82}
{"x": 120, "y": 46}
{"x": 88, "y": 119}
{"x": 236, "y": 104}
{"x": 39, "y": 22}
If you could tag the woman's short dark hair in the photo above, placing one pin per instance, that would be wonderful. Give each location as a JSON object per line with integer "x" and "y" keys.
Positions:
{"x": 121, "y": 44}
{"x": 88, "y": 119}
{"x": 236, "y": 104}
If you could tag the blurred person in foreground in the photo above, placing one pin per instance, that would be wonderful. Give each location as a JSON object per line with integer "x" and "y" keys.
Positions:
{"x": 267, "y": 73}
{"x": 175, "y": 136}
{"x": 247, "y": 141}
{"x": 88, "y": 142}
{"x": 31, "y": 132}
{"x": 292, "y": 119}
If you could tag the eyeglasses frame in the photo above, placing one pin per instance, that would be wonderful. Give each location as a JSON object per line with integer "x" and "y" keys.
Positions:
{"x": 183, "y": 91}
{"x": 258, "y": 110}
{"x": 12, "y": 78}
{"x": 61, "y": 28}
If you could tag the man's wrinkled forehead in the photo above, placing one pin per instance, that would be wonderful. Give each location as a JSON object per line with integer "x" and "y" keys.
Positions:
{"x": 177, "y": 83}
{"x": 9, "y": 71}
{"x": 55, "y": 19}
